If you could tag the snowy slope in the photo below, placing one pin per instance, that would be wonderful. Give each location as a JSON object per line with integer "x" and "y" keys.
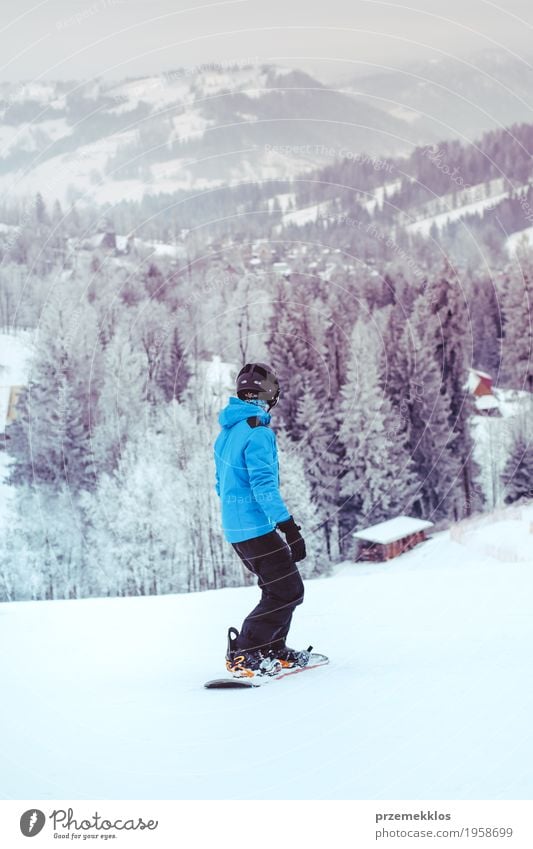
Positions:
{"x": 181, "y": 130}
{"x": 474, "y": 200}
{"x": 428, "y": 694}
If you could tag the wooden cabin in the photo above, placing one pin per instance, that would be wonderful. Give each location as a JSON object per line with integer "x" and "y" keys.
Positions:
{"x": 15, "y": 352}
{"x": 479, "y": 383}
{"x": 389, "y": 539}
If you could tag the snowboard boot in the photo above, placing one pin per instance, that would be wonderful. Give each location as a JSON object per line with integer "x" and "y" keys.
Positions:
{"x": 290, "y": 657}
{"x": 247, "y": 663}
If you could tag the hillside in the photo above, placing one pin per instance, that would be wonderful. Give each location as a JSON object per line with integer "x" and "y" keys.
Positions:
{"x": 450, "y": 96}
{"x": 178, "y": 131}
{"x": 428, "y": 694}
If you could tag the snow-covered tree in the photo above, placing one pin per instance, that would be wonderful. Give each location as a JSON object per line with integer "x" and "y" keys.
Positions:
{"x": 517, "y": 477}
{"x": 421, "y": 412}
{"x": 50, "y": 439}
{"x": 136, "y": 537}
{"x": 454, "y": 353}
{"x": 517, "y": 307}
{"x": 317, "y": 444}
{"x": 122, "y": 400}
{"x": 296, "y": 349}
{"x": 518, "y": 472}
{"x": 297, "y": 491}
{"x": 377, "y": 477}
{"x": 173, "y": 373}
{"x": 42, "y": 556}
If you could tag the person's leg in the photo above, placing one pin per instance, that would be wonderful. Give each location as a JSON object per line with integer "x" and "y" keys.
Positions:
{"x": 282, "y": 589}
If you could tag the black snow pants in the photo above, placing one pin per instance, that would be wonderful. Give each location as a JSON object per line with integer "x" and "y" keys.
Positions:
{"x": 282, "y": 589}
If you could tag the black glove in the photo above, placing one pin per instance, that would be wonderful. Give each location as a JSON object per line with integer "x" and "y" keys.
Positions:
{"x": 294, "y": 539}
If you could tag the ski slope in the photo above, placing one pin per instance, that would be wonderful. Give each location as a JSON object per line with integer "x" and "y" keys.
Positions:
{"x": 429, "y": 693}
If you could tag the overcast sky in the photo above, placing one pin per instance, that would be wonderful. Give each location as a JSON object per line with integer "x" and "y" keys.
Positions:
{"x": 68, "y": 39}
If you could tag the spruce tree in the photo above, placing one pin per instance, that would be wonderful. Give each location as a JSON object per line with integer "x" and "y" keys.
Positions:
{"x": 517, "y": 341}
{"x": 517, "y": 476}
{"x": 318, "y": 447}
{"x": 296, "y": 349}
{"x": 421, "y": 412}
{"x": 376, "y": 478}
{"x": 173, "y": 373}
{"x": 518, "y": 472}
{"x": 454, "y": 353}
{"x": 50, "y": 439}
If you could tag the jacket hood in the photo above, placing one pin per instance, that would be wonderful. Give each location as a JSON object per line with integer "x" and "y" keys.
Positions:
{"x": 236, "y": 411}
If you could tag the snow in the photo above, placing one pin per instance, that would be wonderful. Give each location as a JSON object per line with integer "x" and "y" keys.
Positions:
{"x": 160, "y": 249}
{"x": 425, "y": 224}
{"x": 520, "y": 238}
{"x": 29, "y": 136}
{"x": 393, "y": 529}
{"x": 218, "y": 377}
{"x": 7, "y": 229}
{"x": 379, "y": 195}
{"x": 157, "y": 91}
{"x": 83, "y": 168}
{"x": 474, "y": 375}
{"x": 428, "y": 694}
{"x": 487, "y": 402}
{"x": 41, "y": 92}
{"x": 403, "y": 113}
{"x": 190, "y": 124}
{"x": 468, "y": 202}
{"x": 15, "y": 353}
{"x": 285, "y": 200}
{"x": 306, "y": 214}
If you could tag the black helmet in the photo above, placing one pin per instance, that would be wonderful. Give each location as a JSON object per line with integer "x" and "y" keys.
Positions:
{"x": 257, "y": 380}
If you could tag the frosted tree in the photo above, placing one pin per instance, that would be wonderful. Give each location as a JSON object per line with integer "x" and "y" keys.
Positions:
{"x": 454, "y": 353}
{"x": 518, "y": 472}
{"x": 43, "y": 552}
{"x": 486, "y": 321}
{"x": 210, "y": 563}
{"x": 122, "y": 401}
{"x": 149, "y": 336}
{"x": 296, "y": 349}
{"x": 50, "y": 438}
{"x": 421, "y": 411}
{"x": 296, "y": 490}
{"x": 173, "y": 373}
{"x": 517, "y": 476}
{"x": 137, "y": 542}
{"x": 317, "y": 445}
{"x": 377, "y": 479}
{"x": 517, "y": 342}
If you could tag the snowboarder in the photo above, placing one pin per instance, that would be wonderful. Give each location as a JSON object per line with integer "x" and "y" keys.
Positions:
{"x": 247, "y": 481}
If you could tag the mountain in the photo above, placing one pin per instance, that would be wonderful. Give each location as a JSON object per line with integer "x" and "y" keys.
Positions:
{"x": 426, "y": 695}
{"x": 450, "y": 97}
{"x": 181, "y": 130}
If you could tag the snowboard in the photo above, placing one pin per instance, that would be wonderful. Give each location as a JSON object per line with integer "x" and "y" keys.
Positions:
{"x": 315, "y": 661}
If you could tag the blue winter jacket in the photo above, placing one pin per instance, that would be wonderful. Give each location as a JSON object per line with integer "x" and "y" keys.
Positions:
{"x": 247, "y": 474}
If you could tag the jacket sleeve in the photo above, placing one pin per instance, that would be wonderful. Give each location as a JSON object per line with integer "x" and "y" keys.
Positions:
{"x": 262, "y": 465}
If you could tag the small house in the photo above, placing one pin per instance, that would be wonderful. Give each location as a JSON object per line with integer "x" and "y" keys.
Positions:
{"x": 15, "y": 352}
{"x": 479, "y": 383}
{"x": 389, "y": 539}
{"x": 281, "y": 269}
